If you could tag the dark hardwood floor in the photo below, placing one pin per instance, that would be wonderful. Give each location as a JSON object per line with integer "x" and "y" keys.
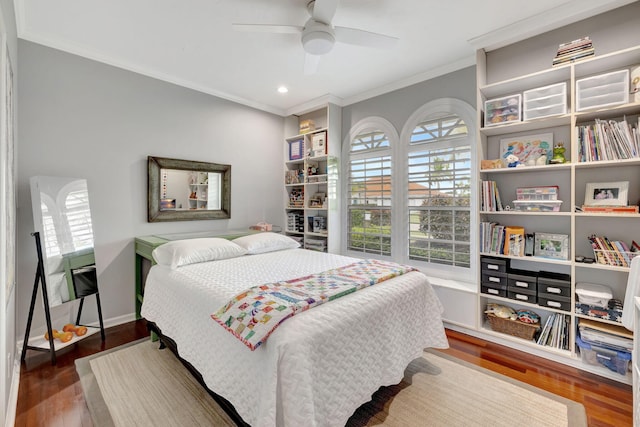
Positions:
{"x": 52, "y": 395}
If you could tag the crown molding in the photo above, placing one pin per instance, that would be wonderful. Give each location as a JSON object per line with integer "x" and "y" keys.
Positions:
{"x": 314, "y": 104}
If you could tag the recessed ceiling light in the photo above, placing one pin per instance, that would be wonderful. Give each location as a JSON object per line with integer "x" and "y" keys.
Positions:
{"x": 283, "y": 89}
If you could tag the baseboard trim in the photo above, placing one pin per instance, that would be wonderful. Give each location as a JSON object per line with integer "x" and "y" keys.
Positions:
{"x": 12, "y": 401}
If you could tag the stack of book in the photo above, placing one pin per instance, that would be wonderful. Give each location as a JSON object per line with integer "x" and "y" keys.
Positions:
{"x": 490, "y": 197}
{"x": 315, "y": 245}
{"x": 608, "y": 140}
{"x": 555, "y": 332}
{"x": 573, "y": 50}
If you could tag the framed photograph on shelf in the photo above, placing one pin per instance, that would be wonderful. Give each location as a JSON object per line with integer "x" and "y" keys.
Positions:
{"x": 296, "y": 149}
{"x": 531, "y": 150}
{"x": 606, "y": 193}
{"x": 555, "y": 246}
{"x": 318, "y": 144}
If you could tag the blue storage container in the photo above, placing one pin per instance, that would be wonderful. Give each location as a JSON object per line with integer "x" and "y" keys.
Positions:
{"x": 616, "y": 361}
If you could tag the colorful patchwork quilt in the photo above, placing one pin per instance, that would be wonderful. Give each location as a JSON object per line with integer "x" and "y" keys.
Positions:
{"x": 254, "y": 314}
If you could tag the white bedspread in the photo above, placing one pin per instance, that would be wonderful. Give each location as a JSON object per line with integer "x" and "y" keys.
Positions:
{"x": 318, "y": 366}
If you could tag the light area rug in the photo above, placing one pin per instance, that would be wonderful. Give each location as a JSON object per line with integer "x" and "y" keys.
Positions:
{"x": 139, "y": 385}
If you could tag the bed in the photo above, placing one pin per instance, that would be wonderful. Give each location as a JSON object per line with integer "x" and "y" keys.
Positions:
{"x": 318, "y": 366}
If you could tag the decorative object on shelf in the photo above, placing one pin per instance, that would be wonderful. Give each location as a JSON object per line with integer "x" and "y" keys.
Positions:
{"x": 554, "y": 246}
{"x": 318, "y": 144}
{"x": 491, "y": 164}
{"x": 606, "y": 193}
{"x": 503, "y": 110}
{"x": 312, "y": 169}
{"x": 512, "y": 161}
{"x": 296, "y": 149}
{"x": 296, "y": 198}
{"x": 502, "y": 311}
{"x": 634, "y": 89}
{"x": 317, "y": 200}
{"x": 307, "y": 126}
{"x": 571, "y": 51}
{"x": 529, "y": 243}
{"x": 293, "y": 176}
{"x": 528, "y": 148}
{"x": 558, "y": 154}
{"x": 603, "y": 90}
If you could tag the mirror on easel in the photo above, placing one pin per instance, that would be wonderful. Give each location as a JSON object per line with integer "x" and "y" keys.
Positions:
{"x": 66, "y": 267}
{"x": 62, "y": 216}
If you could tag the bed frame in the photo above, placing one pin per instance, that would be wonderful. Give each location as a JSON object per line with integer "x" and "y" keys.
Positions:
{"x": 167, "y": 342}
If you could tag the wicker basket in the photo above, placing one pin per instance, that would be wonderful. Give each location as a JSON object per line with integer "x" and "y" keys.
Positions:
{"x": 512, "y": 327}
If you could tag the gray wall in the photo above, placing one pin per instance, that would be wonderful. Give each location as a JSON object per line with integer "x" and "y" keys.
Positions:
{"x": 611, "y": 31}
{"x": 397, "y": 106}
{"x": 80, "y": 118}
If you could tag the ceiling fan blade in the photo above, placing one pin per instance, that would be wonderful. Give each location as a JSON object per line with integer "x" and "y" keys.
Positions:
{"x": 323, "y": 10}
{"x": 364, "y": 38}
{"x": 311, "y": 63}
{"x": 268, "y": 28}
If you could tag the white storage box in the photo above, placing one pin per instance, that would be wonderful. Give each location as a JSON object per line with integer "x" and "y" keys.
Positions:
{"x": 545, "y": 101}
{"x": 603, "y": 90}
{"x": 503, "y": 110}
{"x": 592, "y": 294}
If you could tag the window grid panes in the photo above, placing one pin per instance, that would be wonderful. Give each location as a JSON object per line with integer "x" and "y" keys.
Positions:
{"x": 439, "y": 192}
{"x": 369, "y": 195}
{"x": 78, "y": 217}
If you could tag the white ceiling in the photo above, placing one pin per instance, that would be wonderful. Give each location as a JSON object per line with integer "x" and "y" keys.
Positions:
{"x": 192, "y": 43}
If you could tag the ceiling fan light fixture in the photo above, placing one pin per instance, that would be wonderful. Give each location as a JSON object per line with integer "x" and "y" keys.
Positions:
{"x": 317, "y": 38}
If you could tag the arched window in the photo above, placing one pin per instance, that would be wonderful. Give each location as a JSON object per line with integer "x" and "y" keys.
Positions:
{"x": 369, "y": 187}
{"x": 439, "y": 140}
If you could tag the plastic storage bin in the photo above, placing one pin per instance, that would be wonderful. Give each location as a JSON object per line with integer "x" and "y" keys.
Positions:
{"x": 499, "y": 111}
{"x": 603, "y": 90}
{"x": 537, "y": 205}
{"x": 593, "y": 294}
{"x": 616, "y": 361}
{"x": 545, "y": 101}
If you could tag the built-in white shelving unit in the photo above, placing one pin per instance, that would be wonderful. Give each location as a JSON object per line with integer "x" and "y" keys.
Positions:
{"x": 311, "y": 178}
{"x": 571, "y": 178}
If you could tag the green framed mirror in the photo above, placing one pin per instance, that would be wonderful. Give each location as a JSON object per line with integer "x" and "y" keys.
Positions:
{"x": 185, "y": 190}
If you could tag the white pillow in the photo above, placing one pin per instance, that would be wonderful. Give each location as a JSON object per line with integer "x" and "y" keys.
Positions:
{"x": 190, "y": 251}
{"x": 266, "y": 242}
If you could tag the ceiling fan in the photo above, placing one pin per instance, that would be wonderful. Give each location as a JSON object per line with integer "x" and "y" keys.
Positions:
{"x": 318, "y": 35}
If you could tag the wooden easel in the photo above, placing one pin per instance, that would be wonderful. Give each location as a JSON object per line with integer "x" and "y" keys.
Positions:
{"x": 40, "y": 278}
